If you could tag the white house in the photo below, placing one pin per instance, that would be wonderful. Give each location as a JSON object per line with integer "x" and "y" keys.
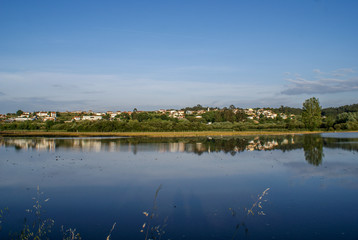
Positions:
{"x": 92, "y": 118}
{"x": 76, "y": 118}
{"x": 49, "y": 119}
{"x": 42, "y": 114}
{"x": 22, "y": 119}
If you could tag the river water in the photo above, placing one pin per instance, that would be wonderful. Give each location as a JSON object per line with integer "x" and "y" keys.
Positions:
{"x": 253, "y": 187}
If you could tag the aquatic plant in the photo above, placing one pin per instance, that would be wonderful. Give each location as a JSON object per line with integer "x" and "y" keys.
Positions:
{"x": 40, "y": 228}
{"x": 70, "y": 234}
{"x": 153, "y": 231}
{"x": 110, "y": 232}
{"x": 255, "y": 208}
{"x": 3, "y": 212}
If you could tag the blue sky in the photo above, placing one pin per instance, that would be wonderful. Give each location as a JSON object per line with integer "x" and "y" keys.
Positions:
{"x": 118, "y": 55}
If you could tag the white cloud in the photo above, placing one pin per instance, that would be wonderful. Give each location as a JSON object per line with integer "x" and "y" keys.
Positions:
{"x": 337, "y": 81}
{"x": 317, "y": 71}
{"x": 64, "y": 91}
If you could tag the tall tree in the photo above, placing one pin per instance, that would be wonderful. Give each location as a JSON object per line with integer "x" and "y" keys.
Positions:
{"x": 19, "y": 112}
{"x": 311, "y": 113}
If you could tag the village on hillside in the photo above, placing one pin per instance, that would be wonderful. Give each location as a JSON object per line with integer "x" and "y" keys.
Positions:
{"x": 74, "y": 116}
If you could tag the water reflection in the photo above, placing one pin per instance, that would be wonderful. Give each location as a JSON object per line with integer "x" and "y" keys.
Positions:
{"x": 192, "y": 145}
{"x": 205, "y": 189}
{"x": 312, "y": 144}
{"x": 313, "y": 148}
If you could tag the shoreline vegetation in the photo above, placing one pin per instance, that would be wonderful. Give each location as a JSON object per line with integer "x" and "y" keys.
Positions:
{"x": 22, "y": 133}
{"x": 189, "y": 122}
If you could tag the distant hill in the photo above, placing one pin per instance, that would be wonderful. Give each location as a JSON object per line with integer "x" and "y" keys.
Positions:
{"x": 334, "y": 111}
{"x": 288, "y": 110}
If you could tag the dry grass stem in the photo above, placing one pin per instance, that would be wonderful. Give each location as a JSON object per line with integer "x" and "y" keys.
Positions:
{"x": 110, "y": 232}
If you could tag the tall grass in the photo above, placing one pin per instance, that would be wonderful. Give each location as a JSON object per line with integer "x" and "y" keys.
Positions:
{"x": 151, "y": 230}
{"x": 40, "y": 228}
{"x": 255, "y": 208}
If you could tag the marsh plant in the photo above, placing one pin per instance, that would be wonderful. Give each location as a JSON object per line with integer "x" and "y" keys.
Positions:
{"x": 70, "y": 234}
{"x": 110, "y": 232}
{"x": 152, "y": 230}
{"x": 36, "y": 227}
{"x": 3, "y": 213}
{"x": 255, "y": 209}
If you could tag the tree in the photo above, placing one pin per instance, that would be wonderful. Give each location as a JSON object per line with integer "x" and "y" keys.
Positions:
{"x": 19, "y": 112}
{"x": 311, "y": 113}
{"x": 107, "y": 116}
{"x": 124, "y": 116}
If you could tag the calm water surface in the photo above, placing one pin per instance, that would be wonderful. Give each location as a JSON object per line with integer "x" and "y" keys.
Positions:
{"x": 207, "y": 186}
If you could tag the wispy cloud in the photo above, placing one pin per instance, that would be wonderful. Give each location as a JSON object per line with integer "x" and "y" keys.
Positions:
{"x": 93, "y": 92}
{"x": 64, "y": 91}
{"x": 43, "y": 104}
{"x": 2, "y": 94}
{"x": 340, "y": 80}
{"x": 317, "y": 71}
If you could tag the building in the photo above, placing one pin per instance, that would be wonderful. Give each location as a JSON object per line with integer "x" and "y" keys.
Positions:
{"x": 49, "y": 119}
{"x": 42, "y": 114}
{"x": 92, "y": 118}
{"x": 76, "y": 118}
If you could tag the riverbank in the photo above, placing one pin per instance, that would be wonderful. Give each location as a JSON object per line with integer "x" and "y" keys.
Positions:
{"x": 16, "y": 133}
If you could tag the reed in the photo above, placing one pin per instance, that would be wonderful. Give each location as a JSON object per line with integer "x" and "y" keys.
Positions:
{"x": 3, "y": 213}
{"x": 40, "y": 228}
{"x": 255, "y": 208}
{"x": 110, "y": 232}
{"x": 70, "y": 234}
{"x": 153, "y": 231}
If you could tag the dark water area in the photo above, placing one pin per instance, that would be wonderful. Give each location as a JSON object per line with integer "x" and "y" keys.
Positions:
{"x": 257, "y": 187}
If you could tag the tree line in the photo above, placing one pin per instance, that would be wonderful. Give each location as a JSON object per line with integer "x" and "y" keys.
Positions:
{"x": 311, "y": 117}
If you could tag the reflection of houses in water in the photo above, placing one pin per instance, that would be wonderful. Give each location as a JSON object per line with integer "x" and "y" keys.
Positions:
{"x": 288, "y": 141}
{"x": 176, "y": 147}
{"x": 199, "y": 147}
{"x": 92, "y": 145}
{"x": 189, "y": 145}
{"x": 21, "y": 143}
{"x": 257, "y": 145}
{"x": 38, "y": 144}
{"x": 112, "y": 146}
{"x": 189, "y": 148}
{"x": 46, "y": 144}
{"x": 76, "y": 143}
{"x": 171, "y": 147}
{"x": 128, "y": 145}
{"x": 162, "y": 147}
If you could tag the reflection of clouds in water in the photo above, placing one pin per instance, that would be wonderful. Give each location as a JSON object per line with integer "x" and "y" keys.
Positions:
{"x": 67, "y": 169}
{"x": 345, "y": 172}
{"x": 110, "y": 161}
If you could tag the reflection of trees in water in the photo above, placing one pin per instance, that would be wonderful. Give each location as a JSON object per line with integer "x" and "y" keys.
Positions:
{"x": 313, "y": 148}
{"x": 349, "y": 144}
{"x": 312, "y": 144}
